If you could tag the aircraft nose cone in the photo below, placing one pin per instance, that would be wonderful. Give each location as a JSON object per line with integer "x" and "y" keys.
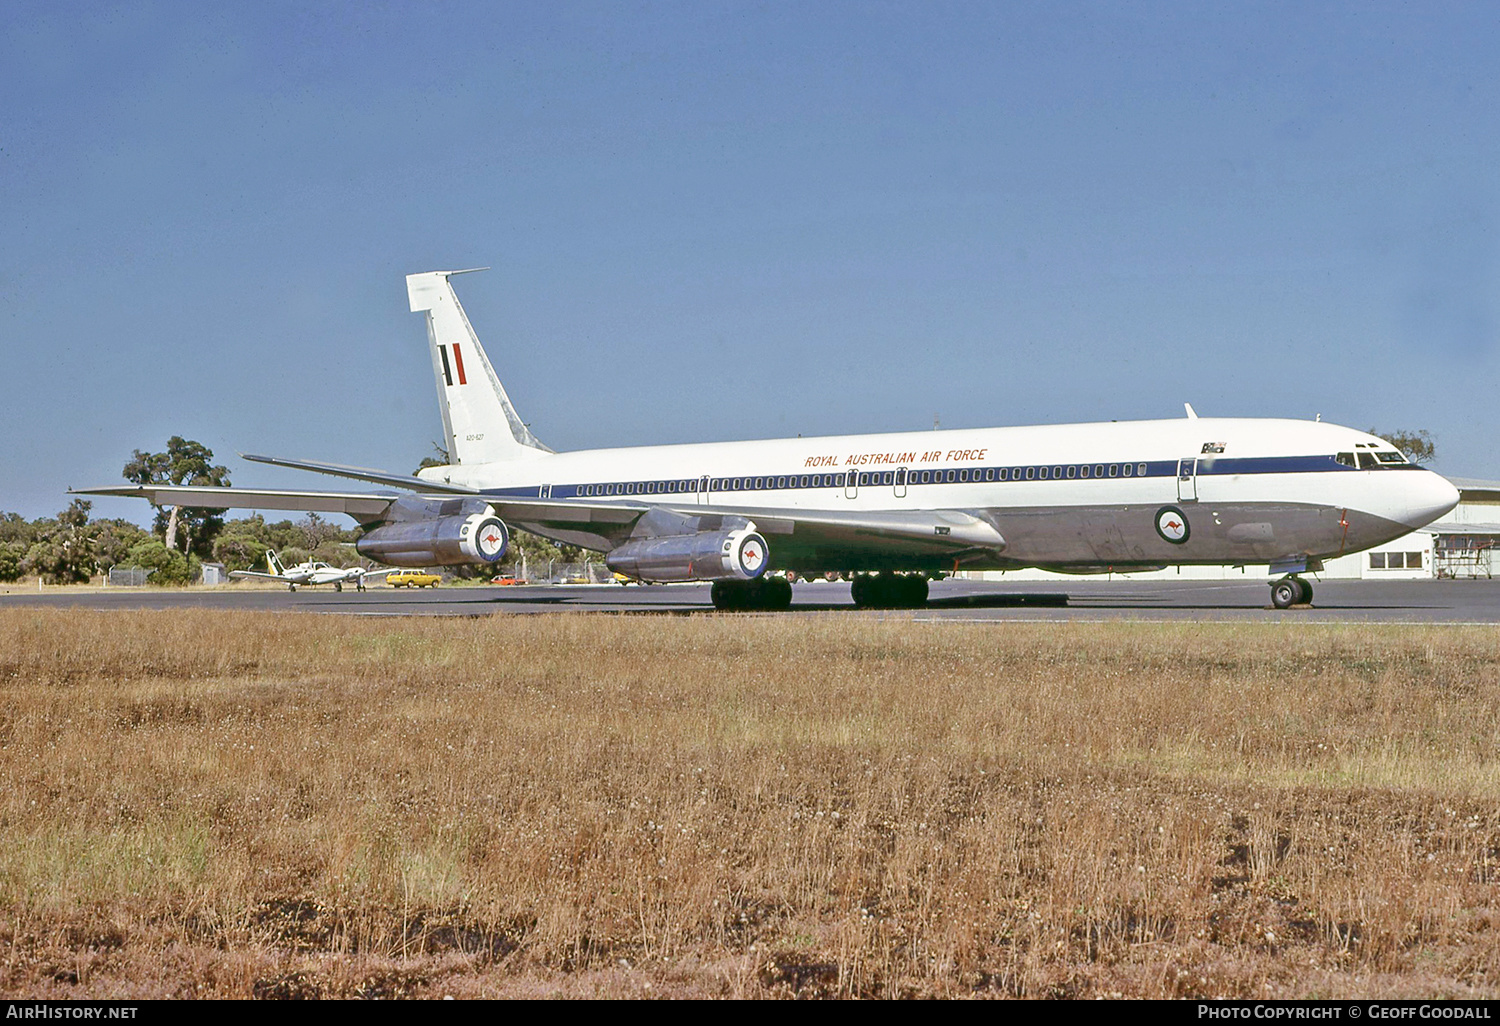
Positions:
{"x": 1428, "y": 497}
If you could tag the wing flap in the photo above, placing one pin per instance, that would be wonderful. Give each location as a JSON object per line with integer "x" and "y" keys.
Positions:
{"x": 947, "y": 530}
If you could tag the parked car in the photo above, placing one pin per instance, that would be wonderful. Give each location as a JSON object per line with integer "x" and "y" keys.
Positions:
{"x": 413, "y": 579}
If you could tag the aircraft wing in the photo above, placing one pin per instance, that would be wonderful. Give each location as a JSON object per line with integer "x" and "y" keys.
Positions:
{"x": 364, "y": 507}
{"x": 925, "y": 533}
{"x": 933, "y": 536}
{"x": 256, "y": 573}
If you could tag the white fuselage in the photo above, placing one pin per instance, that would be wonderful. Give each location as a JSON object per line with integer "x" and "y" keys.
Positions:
{"x": 320, "y": 573}
{"x": 1080, "y": 495}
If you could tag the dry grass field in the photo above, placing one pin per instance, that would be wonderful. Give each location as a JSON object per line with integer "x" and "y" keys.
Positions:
{"x": 279, "y": 805}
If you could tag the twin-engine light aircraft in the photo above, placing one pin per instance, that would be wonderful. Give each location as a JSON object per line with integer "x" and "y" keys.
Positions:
{"x": 889, "y": 512}
{"x": 310, "y": 573}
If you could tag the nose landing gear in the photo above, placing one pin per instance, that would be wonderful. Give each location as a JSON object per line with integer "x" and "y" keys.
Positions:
{"x": 1291, "y": 591}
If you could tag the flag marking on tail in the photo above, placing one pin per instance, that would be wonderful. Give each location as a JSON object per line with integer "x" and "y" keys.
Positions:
{"x": 458, "y": 360}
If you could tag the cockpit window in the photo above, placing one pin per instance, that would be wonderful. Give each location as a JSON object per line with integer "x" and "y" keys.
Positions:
{"x": 1390, "y": 457}
{"x": 1367, "y": 461}
{"x": 1346, "y": 458}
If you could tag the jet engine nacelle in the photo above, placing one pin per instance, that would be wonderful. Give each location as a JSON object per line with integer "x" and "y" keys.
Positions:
{"x": 439, "y": 541}
{"x": 705, "y": 556}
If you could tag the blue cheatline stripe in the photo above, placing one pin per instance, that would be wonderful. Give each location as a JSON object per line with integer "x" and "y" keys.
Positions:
{"x": 1080, "y": 472}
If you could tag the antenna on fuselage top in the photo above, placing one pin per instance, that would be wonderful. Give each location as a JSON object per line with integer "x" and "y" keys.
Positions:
{"x": 1192, "y": 413}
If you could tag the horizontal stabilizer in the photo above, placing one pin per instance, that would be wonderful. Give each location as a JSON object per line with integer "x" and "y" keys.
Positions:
{"x": 384, "y": 477}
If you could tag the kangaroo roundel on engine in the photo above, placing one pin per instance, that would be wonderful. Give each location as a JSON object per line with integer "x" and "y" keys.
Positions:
{"x": 491, "y": 539}
{"x": 749, "y": 553}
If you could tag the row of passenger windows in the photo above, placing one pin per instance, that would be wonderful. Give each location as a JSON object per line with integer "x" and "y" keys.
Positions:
{"x": 865, "y": 479}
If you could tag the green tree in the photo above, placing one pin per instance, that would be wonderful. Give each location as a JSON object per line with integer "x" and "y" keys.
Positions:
{"x": 1417, "y": 445}
{"x": 242, "y": 544}
{"x": 335, "y": 553}
{"x": 184, "y": 463}
{"x": 63, "y": 552}
{"x": 316, "y": 531}
{"x": 168, "y": 565}
{"x": 113, "y": 540}
{"x": 12, "y": 561}
{"x": 440, "y": 460}
{"x": 15, "y": 528}
{"x": 16, "y": 538}
{"x": 284, "y": 534}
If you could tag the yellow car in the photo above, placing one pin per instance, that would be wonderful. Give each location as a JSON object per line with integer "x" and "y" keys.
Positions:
{"x": 413, "y": 579}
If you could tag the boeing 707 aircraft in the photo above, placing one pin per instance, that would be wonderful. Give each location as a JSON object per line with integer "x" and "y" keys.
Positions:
{"x": 889, "y": 512}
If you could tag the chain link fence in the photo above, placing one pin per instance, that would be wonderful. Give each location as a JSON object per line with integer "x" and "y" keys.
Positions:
{"x": 553, "y": 572}
{"x": 127, "y": 577}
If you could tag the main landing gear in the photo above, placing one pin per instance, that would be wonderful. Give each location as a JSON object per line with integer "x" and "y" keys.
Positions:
{"x": 890, "y": 591}
{"x": 871, "y": 591}
{"x": 1291, "y": 591}
{"x": 768, "y": 593}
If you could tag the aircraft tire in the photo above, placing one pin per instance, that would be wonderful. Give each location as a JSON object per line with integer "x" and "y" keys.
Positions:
{"x": 338, "y": 585}
{"x": 777, "y": 594}
{"x": 860, "y": 591}
{"x": 768, "y": 593}
{"x": 915, "y": 591}
{"x": 723, "y": 595}
{"x": 1285, "y": 593}
{"x": 1306, "y": 587}
{"x": 291, "y": 587}
{"x": 889, "y": 591}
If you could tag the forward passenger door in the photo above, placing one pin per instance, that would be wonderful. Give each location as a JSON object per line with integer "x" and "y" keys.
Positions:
{"x": 1187, "y": 479}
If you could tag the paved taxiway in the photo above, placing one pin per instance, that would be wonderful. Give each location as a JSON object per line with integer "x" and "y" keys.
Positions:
{"x": 1334, "y": 601}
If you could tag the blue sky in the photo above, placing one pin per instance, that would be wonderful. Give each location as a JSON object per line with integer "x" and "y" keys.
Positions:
{"x": 711, "y": 221}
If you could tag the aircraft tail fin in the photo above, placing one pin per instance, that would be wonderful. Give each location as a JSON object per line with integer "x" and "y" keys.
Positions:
{"x": 480, "y": 423}
{"x": 273, "y": 564}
